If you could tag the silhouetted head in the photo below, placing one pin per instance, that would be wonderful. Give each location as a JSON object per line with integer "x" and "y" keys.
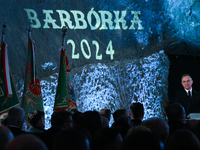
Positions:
{"x": 141, "y": 140}
{"x": 71, "y": 139}
{"x": 137, "y": 111}
{"x": 91, "y": 120}
{"x": 26, "y": 142}
{"x": 5, "y": 136}
{"x": 176, "y": 112}
{"x": 165, "y": 105}
{"x": 120, "y": 113}
{"x": 106, "y": 139}
{"x": 183, "y": 140}
{"x": 76, "y": 117}
{"x": 105, "y": 122}
{"x": 106, "y": 113}
{"x": 158, "y": 127}
{"x": 36, "y": 119}
{"x": 123, "y": 125}
{"x": 16, "y": 116}
{"x": 62, "y": 120}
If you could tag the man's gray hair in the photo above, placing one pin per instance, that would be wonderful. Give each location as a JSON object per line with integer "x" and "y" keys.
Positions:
{"x": 15, "y": 113}
{"x": 185, "y": 75}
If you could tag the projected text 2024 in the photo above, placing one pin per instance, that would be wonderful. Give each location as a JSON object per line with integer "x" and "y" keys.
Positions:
{"x": 87, "y": 52}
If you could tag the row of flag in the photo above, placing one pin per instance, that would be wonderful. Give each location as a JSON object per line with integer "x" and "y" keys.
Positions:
{"x": 32, "y": 95}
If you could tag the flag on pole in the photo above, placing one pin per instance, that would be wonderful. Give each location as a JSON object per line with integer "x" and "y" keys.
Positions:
{"x": 65, "y": 96}
{"x": 32, "y": 96}
{"x": 8, "y": 93}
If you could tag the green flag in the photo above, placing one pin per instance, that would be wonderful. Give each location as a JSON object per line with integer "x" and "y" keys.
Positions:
{"x": 32, "y": 96}
{"x": 8, "y": 93}
{"x": 65, "y": 96}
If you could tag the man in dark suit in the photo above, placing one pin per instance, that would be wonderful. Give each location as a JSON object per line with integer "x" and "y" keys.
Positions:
{"x": 189, "y": 97}
{"x": 136, "y": 113}
{"x": 60, "y": 121}
{"x": 176, "y": 117}
{"x": 16, "y": 118}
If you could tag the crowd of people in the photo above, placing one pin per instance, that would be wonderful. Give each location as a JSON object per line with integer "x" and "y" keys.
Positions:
{"x": 90, "y": 130}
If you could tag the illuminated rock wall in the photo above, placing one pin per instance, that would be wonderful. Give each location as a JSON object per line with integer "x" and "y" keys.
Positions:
{"x": 115, "y": 85}
{"x": 183, "y": 27}
{"x": 185, "y": 18}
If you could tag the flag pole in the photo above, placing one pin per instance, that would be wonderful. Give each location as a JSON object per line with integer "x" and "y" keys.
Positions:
{"x": 33, "y": 46}
{"x": 29, "y": 28}
{"x": 4, "y": 31}
{"x": 64, "y": 30}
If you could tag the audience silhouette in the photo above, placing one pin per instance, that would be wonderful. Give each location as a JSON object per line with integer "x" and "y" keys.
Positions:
{"x": 74, "y": 130}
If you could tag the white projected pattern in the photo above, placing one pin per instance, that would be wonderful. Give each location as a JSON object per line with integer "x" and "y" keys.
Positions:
{"x": 114, "y": 85}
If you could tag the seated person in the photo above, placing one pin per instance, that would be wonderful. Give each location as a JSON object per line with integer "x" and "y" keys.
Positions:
{"x": 158, "y": 127}
{"x": 188, "y": 96}
{"x": 183, "y": 140}
{"x": 16, "y": 118}
{"x": 91, "y": 120}
{"x": 60, "y": 121}
{"x": 5, "y": 136}
{"x": 141, "y": 139}
{"x": 120, "y": 113}
{"x": 164, "y": 107}
{"x": 106, "y": 139}
{"x": 137, "y": 114}
{"x": 106, "y": 113}
{"x": 26, "y": 142}
{"x": 176, "y": 117}
{"x": 71, "y": 139}
{"x": 36, "y": 119}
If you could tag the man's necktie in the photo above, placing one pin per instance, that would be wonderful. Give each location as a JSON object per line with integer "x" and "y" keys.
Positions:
{"x": 189, "y": 95}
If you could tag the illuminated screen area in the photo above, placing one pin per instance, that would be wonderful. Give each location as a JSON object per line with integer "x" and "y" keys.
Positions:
{"x": 115, "y": 85}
